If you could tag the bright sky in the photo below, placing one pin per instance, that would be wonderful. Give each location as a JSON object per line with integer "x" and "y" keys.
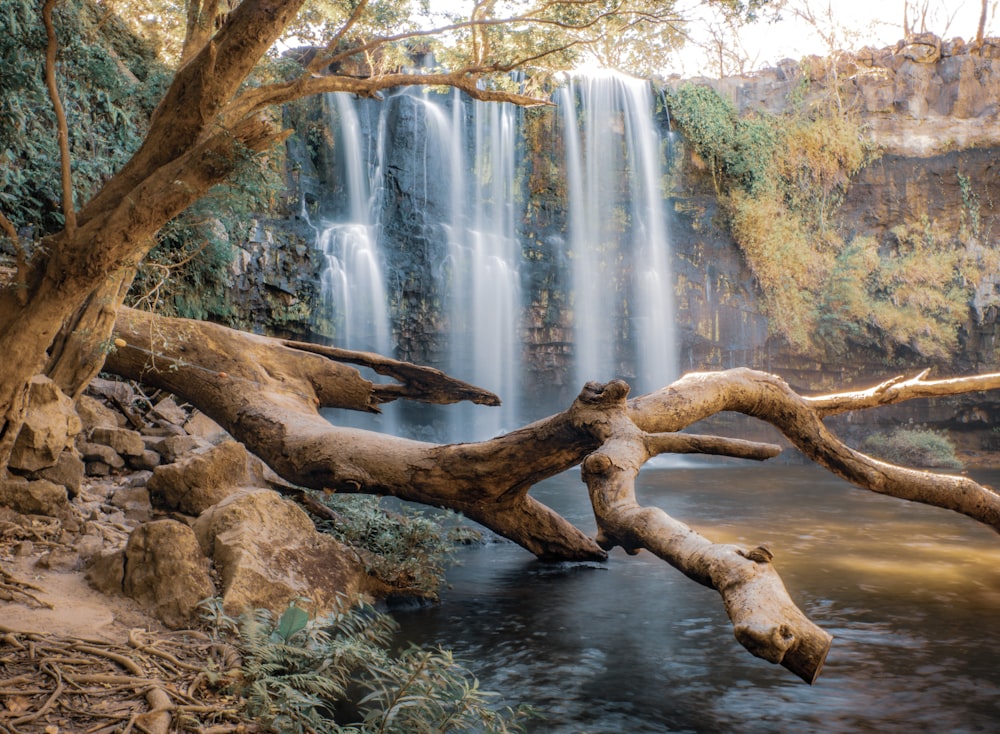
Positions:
{"x": 855, "y": 23}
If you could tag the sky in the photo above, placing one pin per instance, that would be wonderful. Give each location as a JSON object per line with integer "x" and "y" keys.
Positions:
{"x": 856, "y": 23}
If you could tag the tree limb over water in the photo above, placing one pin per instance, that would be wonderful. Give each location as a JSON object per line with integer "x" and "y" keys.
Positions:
{"x": 268, "y": 392}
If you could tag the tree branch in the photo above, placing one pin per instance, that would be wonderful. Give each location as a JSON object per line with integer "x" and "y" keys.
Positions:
{"x": 66, "y": 174}
{"x": 699, "y": 395}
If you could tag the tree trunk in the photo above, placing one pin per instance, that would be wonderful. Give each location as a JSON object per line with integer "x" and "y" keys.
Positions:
{"x": 267, "y": 393}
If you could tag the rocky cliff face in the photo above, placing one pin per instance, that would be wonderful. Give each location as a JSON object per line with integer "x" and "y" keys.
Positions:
{"x": 932, "y": 109}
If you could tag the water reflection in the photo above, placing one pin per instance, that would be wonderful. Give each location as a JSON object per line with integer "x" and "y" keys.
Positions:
{"x": 911, "y": 594}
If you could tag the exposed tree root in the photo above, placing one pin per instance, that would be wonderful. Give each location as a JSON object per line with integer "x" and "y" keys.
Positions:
{"x": 267, "y": 392}
{"x": 156, "y": 684}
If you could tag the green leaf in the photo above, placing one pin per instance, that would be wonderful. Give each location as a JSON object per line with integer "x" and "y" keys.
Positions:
{"x": 293, "y": 620}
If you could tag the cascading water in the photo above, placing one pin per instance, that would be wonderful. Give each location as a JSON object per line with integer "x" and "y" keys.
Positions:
{"x": 483, "y": 250}
{"x": 425, "y": 251}
{"x": 353, "y": 283}
{"x": 623, "y": 320}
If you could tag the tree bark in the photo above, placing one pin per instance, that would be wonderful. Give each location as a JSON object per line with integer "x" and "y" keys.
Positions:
{"x": 267, "y": 393}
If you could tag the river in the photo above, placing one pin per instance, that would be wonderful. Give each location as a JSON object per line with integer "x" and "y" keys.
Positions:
{"x": 911, "y": 594}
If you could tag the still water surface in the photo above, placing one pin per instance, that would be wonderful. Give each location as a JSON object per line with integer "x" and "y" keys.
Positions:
{"x": 911, "y": 594}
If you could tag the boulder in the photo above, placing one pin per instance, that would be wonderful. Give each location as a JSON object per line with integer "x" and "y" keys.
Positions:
{"x": 50, "y": 426}
{"x": 67, "y": 471}
{"x": 33, "y": 497}
{"x": 166, "y": 572}
{"x": 106, "y": 570}
{"x": 196, "y": 482}
{"x": 267, "y": 552}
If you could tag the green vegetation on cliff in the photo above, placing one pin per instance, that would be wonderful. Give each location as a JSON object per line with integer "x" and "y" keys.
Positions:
{"x": 781, "y": 179}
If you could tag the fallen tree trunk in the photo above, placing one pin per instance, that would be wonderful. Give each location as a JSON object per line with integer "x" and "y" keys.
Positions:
{"x": 267, "y": 393}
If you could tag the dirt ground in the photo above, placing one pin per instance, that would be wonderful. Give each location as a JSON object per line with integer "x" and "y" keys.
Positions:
{"x": 73, "y": 659}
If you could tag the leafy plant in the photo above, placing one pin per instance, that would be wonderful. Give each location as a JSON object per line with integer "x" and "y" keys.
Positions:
{"x": 334, "y": 674}
{"x": 405, "y": 547}
{"x": 913, "y": 447}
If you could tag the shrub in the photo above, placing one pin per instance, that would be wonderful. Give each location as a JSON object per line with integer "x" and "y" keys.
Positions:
{"x": 405, "y": 547}
{"x": 913, "y": 447}
{"x": 335, "y": 675}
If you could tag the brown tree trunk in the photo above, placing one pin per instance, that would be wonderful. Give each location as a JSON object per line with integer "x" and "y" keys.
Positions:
{"x": 267, "y": 393}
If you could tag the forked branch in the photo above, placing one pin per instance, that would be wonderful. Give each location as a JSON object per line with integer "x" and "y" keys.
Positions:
{"x": 267, "y": 392}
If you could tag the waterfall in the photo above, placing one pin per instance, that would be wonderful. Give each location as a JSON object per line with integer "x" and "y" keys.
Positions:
{"x": 483, "y": 250}
{"x": 353, "y": 284}
{"x": 623, "y": 321}
{"x": 426, "y": 230}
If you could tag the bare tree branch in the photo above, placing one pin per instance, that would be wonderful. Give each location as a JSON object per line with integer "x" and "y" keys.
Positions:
{"x": 66, "y": 174}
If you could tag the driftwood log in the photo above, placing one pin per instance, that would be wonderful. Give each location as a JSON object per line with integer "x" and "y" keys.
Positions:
{"x": 267, "y": 393}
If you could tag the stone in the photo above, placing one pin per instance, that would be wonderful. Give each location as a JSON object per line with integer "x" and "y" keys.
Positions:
{"x": 267, "y": 552}
{"x": 33, "y": 497}
{"x": 59, "y": 559}
{"x": 95, "y": 414}
{"x": 200, "y": 424}
{"x": 196, "y": 482}
{"x": 166, "y": 572}
{"x": 134, "y": 502}
{"x": 147, "y": 461}
{"x": 89, "y": 546}
{"x": 50, "y": 426}
{"x": 100, "y": 452}
{"x": 168, "y": 410}
{"x": 113, "y": 390}
{"x": 68, "y": 471}
{"x": 124, "y": 441}
{"x": 98, "y": 469}
{"x": 106, "y": 571}
{"x": 173, "y": 447}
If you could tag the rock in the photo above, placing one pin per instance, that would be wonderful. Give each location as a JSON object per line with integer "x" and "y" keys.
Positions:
{"x": 33, "y": 497}
{"x": 49, "y": 427}
{"x": 168, "y": 410}
{"x": 95, "y": 414}
{"x": 67, "y": 471}
{"x": 200, "y": 480}
{"x": 106, "y": 571}
{"x": 113, "y": 390}
{"x": 100, "y": 452}
{"x": 173, "y": 447}
{"x": 147, "y": 461}
{"x": 166, "y": 571}
{"x": 134, "y": 502}
{"x": 98, "y": 469}
{"x": 200, "y": 424}
{"x": 89, "y": 546}
{"x": 267, "y": 552}
{"x": 122, "y": 440}
{"x": 59, "y": 559}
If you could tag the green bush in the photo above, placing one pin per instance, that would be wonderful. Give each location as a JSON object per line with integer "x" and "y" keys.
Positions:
{"x": 913, "y": 447}
{"x": 335, "y": 675}
{"x": 405, "y": 547}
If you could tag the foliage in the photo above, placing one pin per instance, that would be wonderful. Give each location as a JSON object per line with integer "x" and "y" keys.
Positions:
{"x": 335, "y": 674}
{"x": 405, "y": 547}
{"x": 187, "y": 273}
{"x": 913, "y": 447}
{"x": 783, "y": 179}
{"x": 109, "y": 83}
